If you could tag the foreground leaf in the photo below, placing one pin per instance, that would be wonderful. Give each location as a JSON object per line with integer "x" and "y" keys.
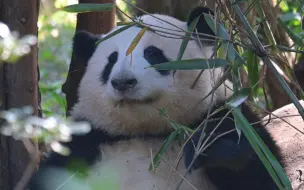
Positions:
{"x": 186, "y": 39}
{"x": 136, "y": 40}
{"x": 88, "y": 7}
{"x": 238, "y": 97}
{"x": 253, "y": 72}
{"x": 192, "y": 64}
{"x": 116, "y": 32}
{"x": 270, "y": 162}
{"x": 158, "y": 156}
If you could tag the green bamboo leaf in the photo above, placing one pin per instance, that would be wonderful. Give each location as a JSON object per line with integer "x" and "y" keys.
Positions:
{"x": 223, "y": 34}
{"x": 268, "y": 159}
{"x": 191, "y": 64}
{"x": 265, "y": 24}
{"x": 158, "y": 156}
{"x": 116, "y": 32}
{"x": 88, "y": 7}
{"x": 238, "y": 97}
{"x": 253, "y": 72}
{"x": 285, "y": 48}
{"x": 186, "y": 39}
{"x": 136, "y": 40}
{"x": 239, "y": 1}
{"x": 297, "y": 39}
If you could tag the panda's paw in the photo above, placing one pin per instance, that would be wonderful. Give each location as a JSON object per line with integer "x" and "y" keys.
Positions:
{"x": 223, "y": 152}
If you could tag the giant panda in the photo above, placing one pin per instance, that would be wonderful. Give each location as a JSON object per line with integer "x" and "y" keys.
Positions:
{"x": 121, "y": 96}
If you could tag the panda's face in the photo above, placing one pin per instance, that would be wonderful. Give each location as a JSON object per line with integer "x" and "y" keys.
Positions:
{"x": 123, "y": 94}
{"x": 127, "y": 79}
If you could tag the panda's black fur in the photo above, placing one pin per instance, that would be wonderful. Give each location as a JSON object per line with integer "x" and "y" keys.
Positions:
{"x": 230, "y": 163}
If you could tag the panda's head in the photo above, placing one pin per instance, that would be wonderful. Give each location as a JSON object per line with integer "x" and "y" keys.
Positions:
{"x": 121, "y": 95}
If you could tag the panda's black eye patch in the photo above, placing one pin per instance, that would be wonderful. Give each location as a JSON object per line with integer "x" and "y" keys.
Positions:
{"x": 112, "y": 59}
{"x": 155, "y": 56}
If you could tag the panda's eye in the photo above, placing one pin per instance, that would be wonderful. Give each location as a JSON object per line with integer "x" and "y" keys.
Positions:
{"x": 112, "y": 59}
{"x": 155, "y": 56}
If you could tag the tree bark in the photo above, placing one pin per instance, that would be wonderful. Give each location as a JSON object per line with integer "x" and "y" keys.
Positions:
{"x": 18, "y": 86}
{"x": 97, "y": 23}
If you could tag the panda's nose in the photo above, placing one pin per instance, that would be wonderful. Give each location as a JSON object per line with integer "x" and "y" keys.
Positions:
{"x": 123, "y": 84}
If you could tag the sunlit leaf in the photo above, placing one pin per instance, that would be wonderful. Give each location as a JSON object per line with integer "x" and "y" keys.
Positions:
{"x": 136, "y": 40}
{"x": 88, "y": 7}
{"x": 192, "y": 64}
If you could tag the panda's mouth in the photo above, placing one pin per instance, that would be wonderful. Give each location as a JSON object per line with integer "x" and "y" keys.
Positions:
{"x": 129, "y": 101}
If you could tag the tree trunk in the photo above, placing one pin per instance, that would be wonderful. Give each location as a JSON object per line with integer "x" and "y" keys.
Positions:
{"x": 18, "y": 86}
{"x": 97, "y": 23}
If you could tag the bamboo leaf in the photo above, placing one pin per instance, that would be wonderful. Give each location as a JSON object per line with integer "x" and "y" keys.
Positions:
{"x": 136, "y": 40}
{"x": 270, "y": 162}
{"x": 253, "y": 72}
{"x": 88, "y": 7}
{"x": 265, "y": 24}
{"x": 186, "y": 39}
{"x": 238, "y": 97}
{"x": 223, "y": 34}
{"x": 285, "y": 48}
{"x": 191, "y": 64}
{"x": 116, "y": 32}
{"x": 158, "y": 156}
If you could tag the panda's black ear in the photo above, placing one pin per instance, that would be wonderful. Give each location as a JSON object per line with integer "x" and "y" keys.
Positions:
{"x": 202, "y": 26}
{"x": 84, "y": 44}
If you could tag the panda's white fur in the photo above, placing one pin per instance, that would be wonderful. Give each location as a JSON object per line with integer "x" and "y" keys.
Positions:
{"x": 130, "y": 113}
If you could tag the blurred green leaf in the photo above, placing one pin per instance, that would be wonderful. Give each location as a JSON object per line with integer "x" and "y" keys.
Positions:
{"x": 191, "y": 64}
{"x": 290, "y": 16}
{"x": 297, "y": 40}
{"x": 87, "y": 7}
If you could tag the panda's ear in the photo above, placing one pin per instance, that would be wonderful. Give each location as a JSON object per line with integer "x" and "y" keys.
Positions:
{"x": 84, "y": 44}
{"x": 202, "y": 26}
